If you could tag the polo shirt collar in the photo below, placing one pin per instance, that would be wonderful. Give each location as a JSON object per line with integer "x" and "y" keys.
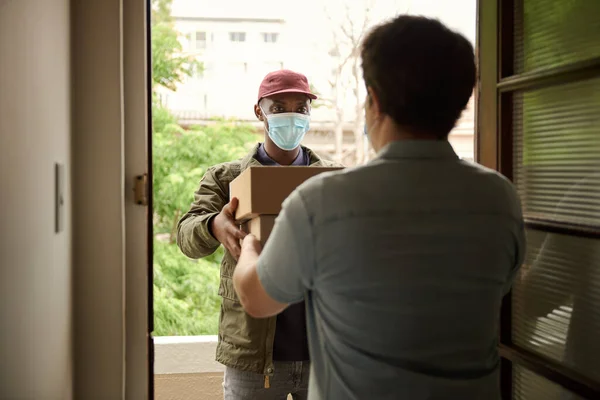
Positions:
{"x": 418, "y": 149}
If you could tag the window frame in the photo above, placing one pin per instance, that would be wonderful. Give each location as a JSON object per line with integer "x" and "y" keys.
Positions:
{"x": 493, "y": 148}
{"x": 270, "y": 36}
{"x": 196, "y": 40}
{"x": 237, "y": 37}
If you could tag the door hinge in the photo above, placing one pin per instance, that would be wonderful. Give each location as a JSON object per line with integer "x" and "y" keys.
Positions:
{"x": 140, "y": 189}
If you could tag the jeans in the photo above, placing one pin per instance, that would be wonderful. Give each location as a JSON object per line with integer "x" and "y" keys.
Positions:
{"x": 289, "y": 378}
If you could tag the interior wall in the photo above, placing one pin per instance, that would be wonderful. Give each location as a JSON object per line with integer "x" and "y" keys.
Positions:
{"x": 35, "y": 262}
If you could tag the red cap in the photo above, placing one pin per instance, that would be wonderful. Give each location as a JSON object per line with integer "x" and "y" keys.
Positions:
{"x": 284, "y": 81}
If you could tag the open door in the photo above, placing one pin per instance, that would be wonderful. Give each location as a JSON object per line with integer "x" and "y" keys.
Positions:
{"x": 139, "y": 355}
{"x": 538, "y": 124}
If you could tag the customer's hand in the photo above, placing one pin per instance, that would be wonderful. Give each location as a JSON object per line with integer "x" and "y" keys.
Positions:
{"x": 225, "y": 230}
{"x": 251, "y": 243}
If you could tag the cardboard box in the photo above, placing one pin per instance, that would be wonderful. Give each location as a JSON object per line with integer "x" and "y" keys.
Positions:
{"x": 261, "y": 190}
{"x": 260, "y": 227}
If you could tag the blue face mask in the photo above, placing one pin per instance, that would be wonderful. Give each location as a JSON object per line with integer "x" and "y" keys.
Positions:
{"x": 287, "y": 130}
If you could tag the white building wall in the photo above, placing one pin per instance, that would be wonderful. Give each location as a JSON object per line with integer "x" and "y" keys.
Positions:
{"x": 232, "y": 71}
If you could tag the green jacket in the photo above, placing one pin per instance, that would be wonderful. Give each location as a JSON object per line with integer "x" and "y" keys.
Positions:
{"x": 245, "y": 343}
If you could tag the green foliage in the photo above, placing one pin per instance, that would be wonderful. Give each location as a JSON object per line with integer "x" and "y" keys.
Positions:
{"x": 162, "y": 119}
{"x": 182, "y": 157}
{"x": 161, "y": 11}
{"x": 186, "y": 300}
{"x": 169, "y": 65}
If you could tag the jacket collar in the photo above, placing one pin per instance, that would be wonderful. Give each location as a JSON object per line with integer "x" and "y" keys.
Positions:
{"x": 250, "y": 159}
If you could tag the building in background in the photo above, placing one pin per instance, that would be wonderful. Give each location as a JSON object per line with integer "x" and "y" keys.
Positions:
{"x": 235, "y": 52}
{"x": 239, "y": 42}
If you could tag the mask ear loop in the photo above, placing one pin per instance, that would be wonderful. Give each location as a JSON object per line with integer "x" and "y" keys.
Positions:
{"x": 375, "y": 121}
{"x": 265, "y": 119}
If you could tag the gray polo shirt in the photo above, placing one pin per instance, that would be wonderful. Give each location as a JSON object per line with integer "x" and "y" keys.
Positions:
{"x": 403, "y": 264}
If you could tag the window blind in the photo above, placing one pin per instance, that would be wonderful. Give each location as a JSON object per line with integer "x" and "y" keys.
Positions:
{"x": 551, "y": 33}
{"x": 556, "y": 136}
{"x": 556, "y": 301}
{"x": 528, "y": 385}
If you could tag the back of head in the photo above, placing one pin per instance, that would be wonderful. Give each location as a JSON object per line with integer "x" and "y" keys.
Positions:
{"x": 422, "y": 72}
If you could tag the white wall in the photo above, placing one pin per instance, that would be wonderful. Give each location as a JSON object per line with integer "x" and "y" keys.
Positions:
{"x": 35, "y": 262}
{"x": 232, "y": 72}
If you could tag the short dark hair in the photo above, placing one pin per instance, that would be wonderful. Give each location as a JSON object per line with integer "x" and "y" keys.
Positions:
{"x": 422, "y": 72}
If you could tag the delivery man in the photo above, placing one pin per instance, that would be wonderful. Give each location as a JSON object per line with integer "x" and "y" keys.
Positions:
{"x": 264, "y": 358}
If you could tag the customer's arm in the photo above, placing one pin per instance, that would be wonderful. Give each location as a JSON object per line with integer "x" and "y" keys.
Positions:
{"x": 267, "y": 282}
{"x": 252, "y": 294}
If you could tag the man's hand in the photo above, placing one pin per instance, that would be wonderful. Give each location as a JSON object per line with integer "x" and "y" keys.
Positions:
{"x": 225, "y": 230}
{"x": 251, "y": 245}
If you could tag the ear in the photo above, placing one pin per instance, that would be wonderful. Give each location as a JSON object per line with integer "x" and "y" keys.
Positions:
{"x": 258, "y": 112}
{"x": 374, "y": 103}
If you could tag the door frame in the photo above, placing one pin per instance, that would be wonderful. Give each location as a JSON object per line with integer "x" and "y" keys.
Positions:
{"x": 137, "y": 95}
{"x": 111, "y": 251}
